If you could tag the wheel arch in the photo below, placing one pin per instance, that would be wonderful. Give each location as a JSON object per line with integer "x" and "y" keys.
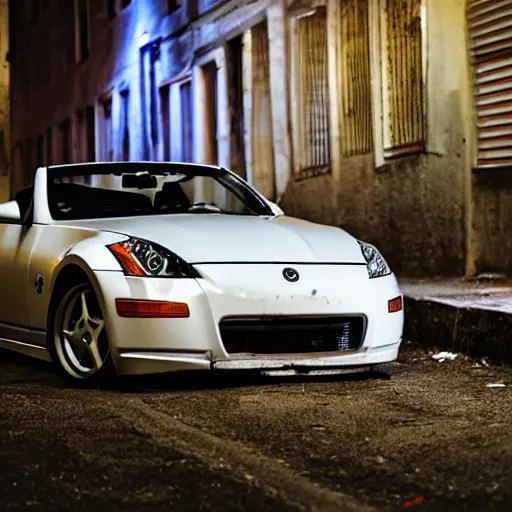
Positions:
{"x": 71, "y": 271}
{"x": 81, "y": 261}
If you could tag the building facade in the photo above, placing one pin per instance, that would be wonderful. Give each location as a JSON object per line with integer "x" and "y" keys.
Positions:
{"x": 390, "y": 118}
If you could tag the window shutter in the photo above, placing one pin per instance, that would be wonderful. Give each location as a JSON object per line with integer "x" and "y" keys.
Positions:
{"x": 313, "y": 94}
{"x": 356, "y": 108}
{"x": 490, "y": 31}
{"x": 404, "y": 78}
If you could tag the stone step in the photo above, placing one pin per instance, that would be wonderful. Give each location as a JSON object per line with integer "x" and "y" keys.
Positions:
{"x": 468, "y": 317}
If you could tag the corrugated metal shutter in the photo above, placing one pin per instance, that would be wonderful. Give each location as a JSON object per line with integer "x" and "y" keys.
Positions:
{"x": 490, "y": 30}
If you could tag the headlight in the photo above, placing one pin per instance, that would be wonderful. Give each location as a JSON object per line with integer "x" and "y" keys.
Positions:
{"x": 142, "y": 258}
{"x": 375, "y": 263}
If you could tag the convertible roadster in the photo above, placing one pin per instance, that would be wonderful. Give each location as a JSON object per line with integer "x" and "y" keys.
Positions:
{"x": 112, "y": 269}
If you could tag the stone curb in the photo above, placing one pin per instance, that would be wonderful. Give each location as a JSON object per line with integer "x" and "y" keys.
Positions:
{"x": 471, "y": 331}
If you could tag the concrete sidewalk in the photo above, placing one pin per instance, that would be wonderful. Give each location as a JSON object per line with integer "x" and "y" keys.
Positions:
{"x": 465, "y": 316}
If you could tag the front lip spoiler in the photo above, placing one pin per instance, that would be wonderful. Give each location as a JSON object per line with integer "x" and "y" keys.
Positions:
{"x": 142, "y": 362}
{"x": 248, "y": 361}
{"x": 296, "y": 364}
{"x": 135, "y": 362}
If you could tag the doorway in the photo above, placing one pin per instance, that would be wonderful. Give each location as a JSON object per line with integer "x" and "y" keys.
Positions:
{"x": 211, "y": 149}
{"x": 236, "y": 108}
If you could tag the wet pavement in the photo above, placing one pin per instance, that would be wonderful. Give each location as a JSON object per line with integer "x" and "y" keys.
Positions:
{"x": 420, "y": 434}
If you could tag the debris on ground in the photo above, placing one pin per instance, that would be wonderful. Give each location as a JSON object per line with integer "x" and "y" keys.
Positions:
{"x": 496, "y": 385}
{"x": 482, "y": 364}
{"x": 488, "y": 276}
{"x": 442, "y": 356}
{"x": 416, "y": 501}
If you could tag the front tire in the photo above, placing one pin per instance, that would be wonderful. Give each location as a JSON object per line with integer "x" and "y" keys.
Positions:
{"x": 77, "y": 338}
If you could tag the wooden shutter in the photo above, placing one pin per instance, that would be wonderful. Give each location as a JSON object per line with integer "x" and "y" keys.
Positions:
{"x": 404, "y": 73}
{"x": 490, "y": 31}
{"x": 356, "y": 107}
{"x": 313, "y": 93}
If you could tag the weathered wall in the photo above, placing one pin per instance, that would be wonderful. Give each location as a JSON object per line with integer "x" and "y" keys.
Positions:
{"x": 492, "y": 196}
{"x": 4, "y": 189}
{"x": 5, "y": 110}
{"x": 413, "y": 211}
{"x": 415, "y": 208}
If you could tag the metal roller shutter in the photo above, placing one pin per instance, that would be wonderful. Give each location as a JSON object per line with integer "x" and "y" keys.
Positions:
{"x": 490, "y": 31}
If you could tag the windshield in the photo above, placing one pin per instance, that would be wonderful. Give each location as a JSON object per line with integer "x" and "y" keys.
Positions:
{"x": 126, "y": 190}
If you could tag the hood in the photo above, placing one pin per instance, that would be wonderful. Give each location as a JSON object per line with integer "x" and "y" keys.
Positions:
{"x": 212, "y": 238}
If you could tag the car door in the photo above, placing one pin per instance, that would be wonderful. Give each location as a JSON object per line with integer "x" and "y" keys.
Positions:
{"x": 16, "y": 241}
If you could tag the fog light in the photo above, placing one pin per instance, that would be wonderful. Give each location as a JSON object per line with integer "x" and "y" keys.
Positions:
{"x": 395, "y": 305}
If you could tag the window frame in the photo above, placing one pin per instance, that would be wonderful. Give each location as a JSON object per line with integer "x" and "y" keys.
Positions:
{"x": 295, "y": 108}
{"x": 174, "y": 116}
{"x": 124, "y": 135}
{"x": 384, "y": 152}
{"x": 66, "y": 141}
{"x": 105, "y": 148}
{"x": 82, "y": 53}
{"x": 355, "y": 138}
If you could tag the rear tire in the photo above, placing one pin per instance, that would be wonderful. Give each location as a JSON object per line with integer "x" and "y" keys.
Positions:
{"x": 77, "y": 338}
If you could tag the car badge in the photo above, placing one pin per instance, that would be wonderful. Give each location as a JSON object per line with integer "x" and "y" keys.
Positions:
{"x": 291, "y": 275}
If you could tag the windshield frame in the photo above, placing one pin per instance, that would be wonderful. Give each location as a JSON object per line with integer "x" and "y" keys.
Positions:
{"x": 241, "y": 189}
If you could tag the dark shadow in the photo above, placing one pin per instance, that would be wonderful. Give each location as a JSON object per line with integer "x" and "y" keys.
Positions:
{"x": 180, "y": 381}
{"x": 20, "y": 369}
{"x": 10, "y": 357}
{"x": 204, "y": 380}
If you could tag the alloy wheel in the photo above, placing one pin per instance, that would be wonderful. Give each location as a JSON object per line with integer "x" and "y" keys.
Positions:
{"x": 80, "y": 337}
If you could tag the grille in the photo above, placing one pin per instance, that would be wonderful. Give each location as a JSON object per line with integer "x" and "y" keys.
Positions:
{"x": 285, "y": 335}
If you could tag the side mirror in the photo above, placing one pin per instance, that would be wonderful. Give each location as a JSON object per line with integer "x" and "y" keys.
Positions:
{"x": 10, "y": 212}
{"x": 275, "y": 209}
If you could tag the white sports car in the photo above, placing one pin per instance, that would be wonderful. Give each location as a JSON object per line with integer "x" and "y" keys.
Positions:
{"x": 114, "y": 269}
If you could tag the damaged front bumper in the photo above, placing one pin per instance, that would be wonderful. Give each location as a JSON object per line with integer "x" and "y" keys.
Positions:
{"x": 141, "y": 363}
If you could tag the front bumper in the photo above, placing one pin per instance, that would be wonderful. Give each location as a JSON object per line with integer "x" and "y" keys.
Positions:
{"x": 143, "y": 346}
{"x": 142, "y": 363}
